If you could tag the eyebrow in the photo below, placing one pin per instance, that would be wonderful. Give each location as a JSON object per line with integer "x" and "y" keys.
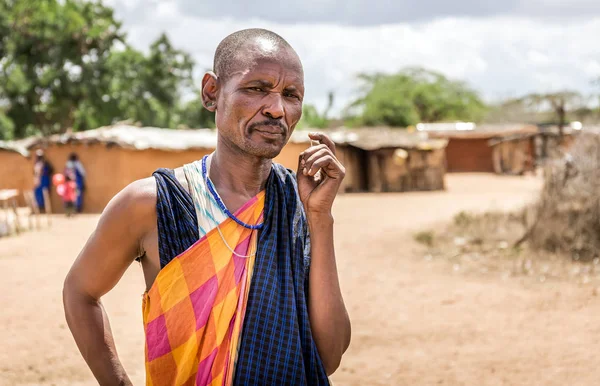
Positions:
{"x": 261, "y": 82}
{"x": 268, "y": 84}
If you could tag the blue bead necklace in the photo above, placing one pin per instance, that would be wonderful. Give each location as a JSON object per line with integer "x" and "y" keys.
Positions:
{"x": 213, "y": 191}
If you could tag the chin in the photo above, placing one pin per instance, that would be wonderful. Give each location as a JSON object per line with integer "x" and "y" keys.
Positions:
{"x": 263, "y": 150}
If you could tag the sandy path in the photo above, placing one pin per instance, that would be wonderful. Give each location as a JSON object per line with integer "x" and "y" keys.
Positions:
{"x": 414, "y": 322}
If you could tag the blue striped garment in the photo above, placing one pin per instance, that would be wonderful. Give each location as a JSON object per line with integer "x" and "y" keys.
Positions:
{"x": 277, "y": 346}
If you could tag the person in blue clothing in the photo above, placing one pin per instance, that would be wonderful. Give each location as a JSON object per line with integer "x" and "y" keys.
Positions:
{"x": 74, "y": 169}
{"x": 42, "y": 172}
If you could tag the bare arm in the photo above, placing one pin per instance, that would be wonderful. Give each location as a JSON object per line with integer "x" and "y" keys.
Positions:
{"x": 329, "y": 319}
{"x": 106, "y": 256}
{"x": 328, "y": 316}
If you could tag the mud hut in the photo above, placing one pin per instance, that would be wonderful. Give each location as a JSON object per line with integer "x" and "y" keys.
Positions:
{"x": 486, "y": 148}
{"x": 394, "y": 160}
{"x": 16, "y": 168}
{"x": 380, "y": 159}
{"x": 115, "y": 156}
{"x": 514, "y": 155}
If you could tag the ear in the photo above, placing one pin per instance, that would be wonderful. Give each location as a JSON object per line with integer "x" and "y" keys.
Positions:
{"x": 210, "y": 87}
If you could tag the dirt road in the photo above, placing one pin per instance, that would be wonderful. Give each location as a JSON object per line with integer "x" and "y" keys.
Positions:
{"x": 414, "y": 322}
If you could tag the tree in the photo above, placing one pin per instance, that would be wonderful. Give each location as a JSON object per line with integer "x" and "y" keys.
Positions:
{"x": 194, "y": 115}
{"x": 66, "y": 64}
{"x": 312, "y": 119}
{"x": 415, "y": 95}
{"x": 148, "y": 89}
{"x": 7, "y": 127}
{"x": 560, "y": 102}
{"x": 54, "y": 55}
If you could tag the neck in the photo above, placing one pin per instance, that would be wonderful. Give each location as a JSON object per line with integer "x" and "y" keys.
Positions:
{"x": 238, "y": 172}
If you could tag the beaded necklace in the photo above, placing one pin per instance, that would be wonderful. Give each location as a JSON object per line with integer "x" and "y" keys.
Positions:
{"x": 220, "y": 203}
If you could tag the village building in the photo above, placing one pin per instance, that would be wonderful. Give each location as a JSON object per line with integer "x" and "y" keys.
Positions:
{"x": 376, "y": 159}
{"x": 502, "y": 149}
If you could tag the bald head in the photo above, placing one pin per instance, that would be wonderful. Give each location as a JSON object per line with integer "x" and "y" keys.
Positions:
{"x": 243, "y": 46}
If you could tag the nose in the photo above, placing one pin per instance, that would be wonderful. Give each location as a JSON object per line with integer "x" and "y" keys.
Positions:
{"x": 274, "y": 106}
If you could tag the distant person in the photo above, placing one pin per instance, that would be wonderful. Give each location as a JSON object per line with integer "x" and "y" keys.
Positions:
{"x": 66, "y": 188}
{"x": 237, "y": 251}
{"x": 74, "y": 169}
{"x": 42, "y": 175}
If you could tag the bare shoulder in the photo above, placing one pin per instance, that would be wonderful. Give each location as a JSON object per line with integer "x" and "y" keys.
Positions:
{"x": 135, "y": 204}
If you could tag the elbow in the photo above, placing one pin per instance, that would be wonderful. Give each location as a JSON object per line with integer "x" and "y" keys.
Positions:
{"x": 334, "y": 359}
{"x": 332, "y": 365}
{"x": 72, "y": 297}
{"x": 67, "y": 295}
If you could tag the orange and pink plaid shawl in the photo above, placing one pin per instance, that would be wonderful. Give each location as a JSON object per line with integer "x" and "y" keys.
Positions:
{"x": 193, "y": 313}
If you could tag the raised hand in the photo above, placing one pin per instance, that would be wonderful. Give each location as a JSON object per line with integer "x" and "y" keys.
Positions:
{"x": 318, "y": 190}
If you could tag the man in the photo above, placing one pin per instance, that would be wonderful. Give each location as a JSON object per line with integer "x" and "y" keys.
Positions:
{"x": 237, "y": 251}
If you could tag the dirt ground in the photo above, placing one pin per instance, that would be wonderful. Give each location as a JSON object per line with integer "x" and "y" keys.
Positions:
{"x": 415, "y": 322}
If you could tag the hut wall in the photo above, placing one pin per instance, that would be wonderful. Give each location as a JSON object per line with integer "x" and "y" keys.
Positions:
{"x": 423, "y": 170}
{"x": 355, "y": 163}
{"x": 426, "y": 170}
{"x": 514, "y": 157}
{"x": 469, "y": 155}
{"x": 109, "y": 168}
{"x": 16, "y": 172}
{"x": 376, "y": 179}
{"x": 289, "y": 155}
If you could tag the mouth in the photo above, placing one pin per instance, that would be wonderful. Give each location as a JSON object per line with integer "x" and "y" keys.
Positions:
{"x": 269, "y": 131}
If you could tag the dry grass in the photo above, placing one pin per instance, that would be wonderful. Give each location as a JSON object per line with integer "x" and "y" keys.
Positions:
{"x": 543, "y": 240}
{"x": 568, "y": 211}
{"x": 485, "y": 243}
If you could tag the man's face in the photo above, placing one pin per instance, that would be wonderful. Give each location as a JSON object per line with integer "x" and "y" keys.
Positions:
{"x": 259, "y": 103}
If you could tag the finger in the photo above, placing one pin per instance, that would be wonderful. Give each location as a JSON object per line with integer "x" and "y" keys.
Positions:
{"x": 324, "y": 139}
{"x": 317, "y": 164}
{"x": 329, "y": 165}
{"x": 308, "y": 163}
{"x": 312, "y": 150}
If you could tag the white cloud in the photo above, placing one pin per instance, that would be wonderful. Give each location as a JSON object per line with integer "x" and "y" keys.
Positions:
{"x": 499, "y": 56}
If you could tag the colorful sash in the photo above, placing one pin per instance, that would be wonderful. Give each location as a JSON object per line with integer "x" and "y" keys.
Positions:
{"x": 194, "y": 312}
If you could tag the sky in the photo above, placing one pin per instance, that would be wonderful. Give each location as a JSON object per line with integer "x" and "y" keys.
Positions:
{"x": 500, "y": 48}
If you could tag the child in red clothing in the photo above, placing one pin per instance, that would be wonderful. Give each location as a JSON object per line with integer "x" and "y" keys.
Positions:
{"x": 68, "y": 191}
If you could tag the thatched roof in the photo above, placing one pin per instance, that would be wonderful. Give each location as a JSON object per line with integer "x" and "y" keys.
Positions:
{"x": 142, "y": 138}
{"x": 486, "y": 131}
{"x": 138, "y": 138}
{"x": 509, "y": 138}
{"x": 14, "y": 147}
{"x": 384, "y": 137}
